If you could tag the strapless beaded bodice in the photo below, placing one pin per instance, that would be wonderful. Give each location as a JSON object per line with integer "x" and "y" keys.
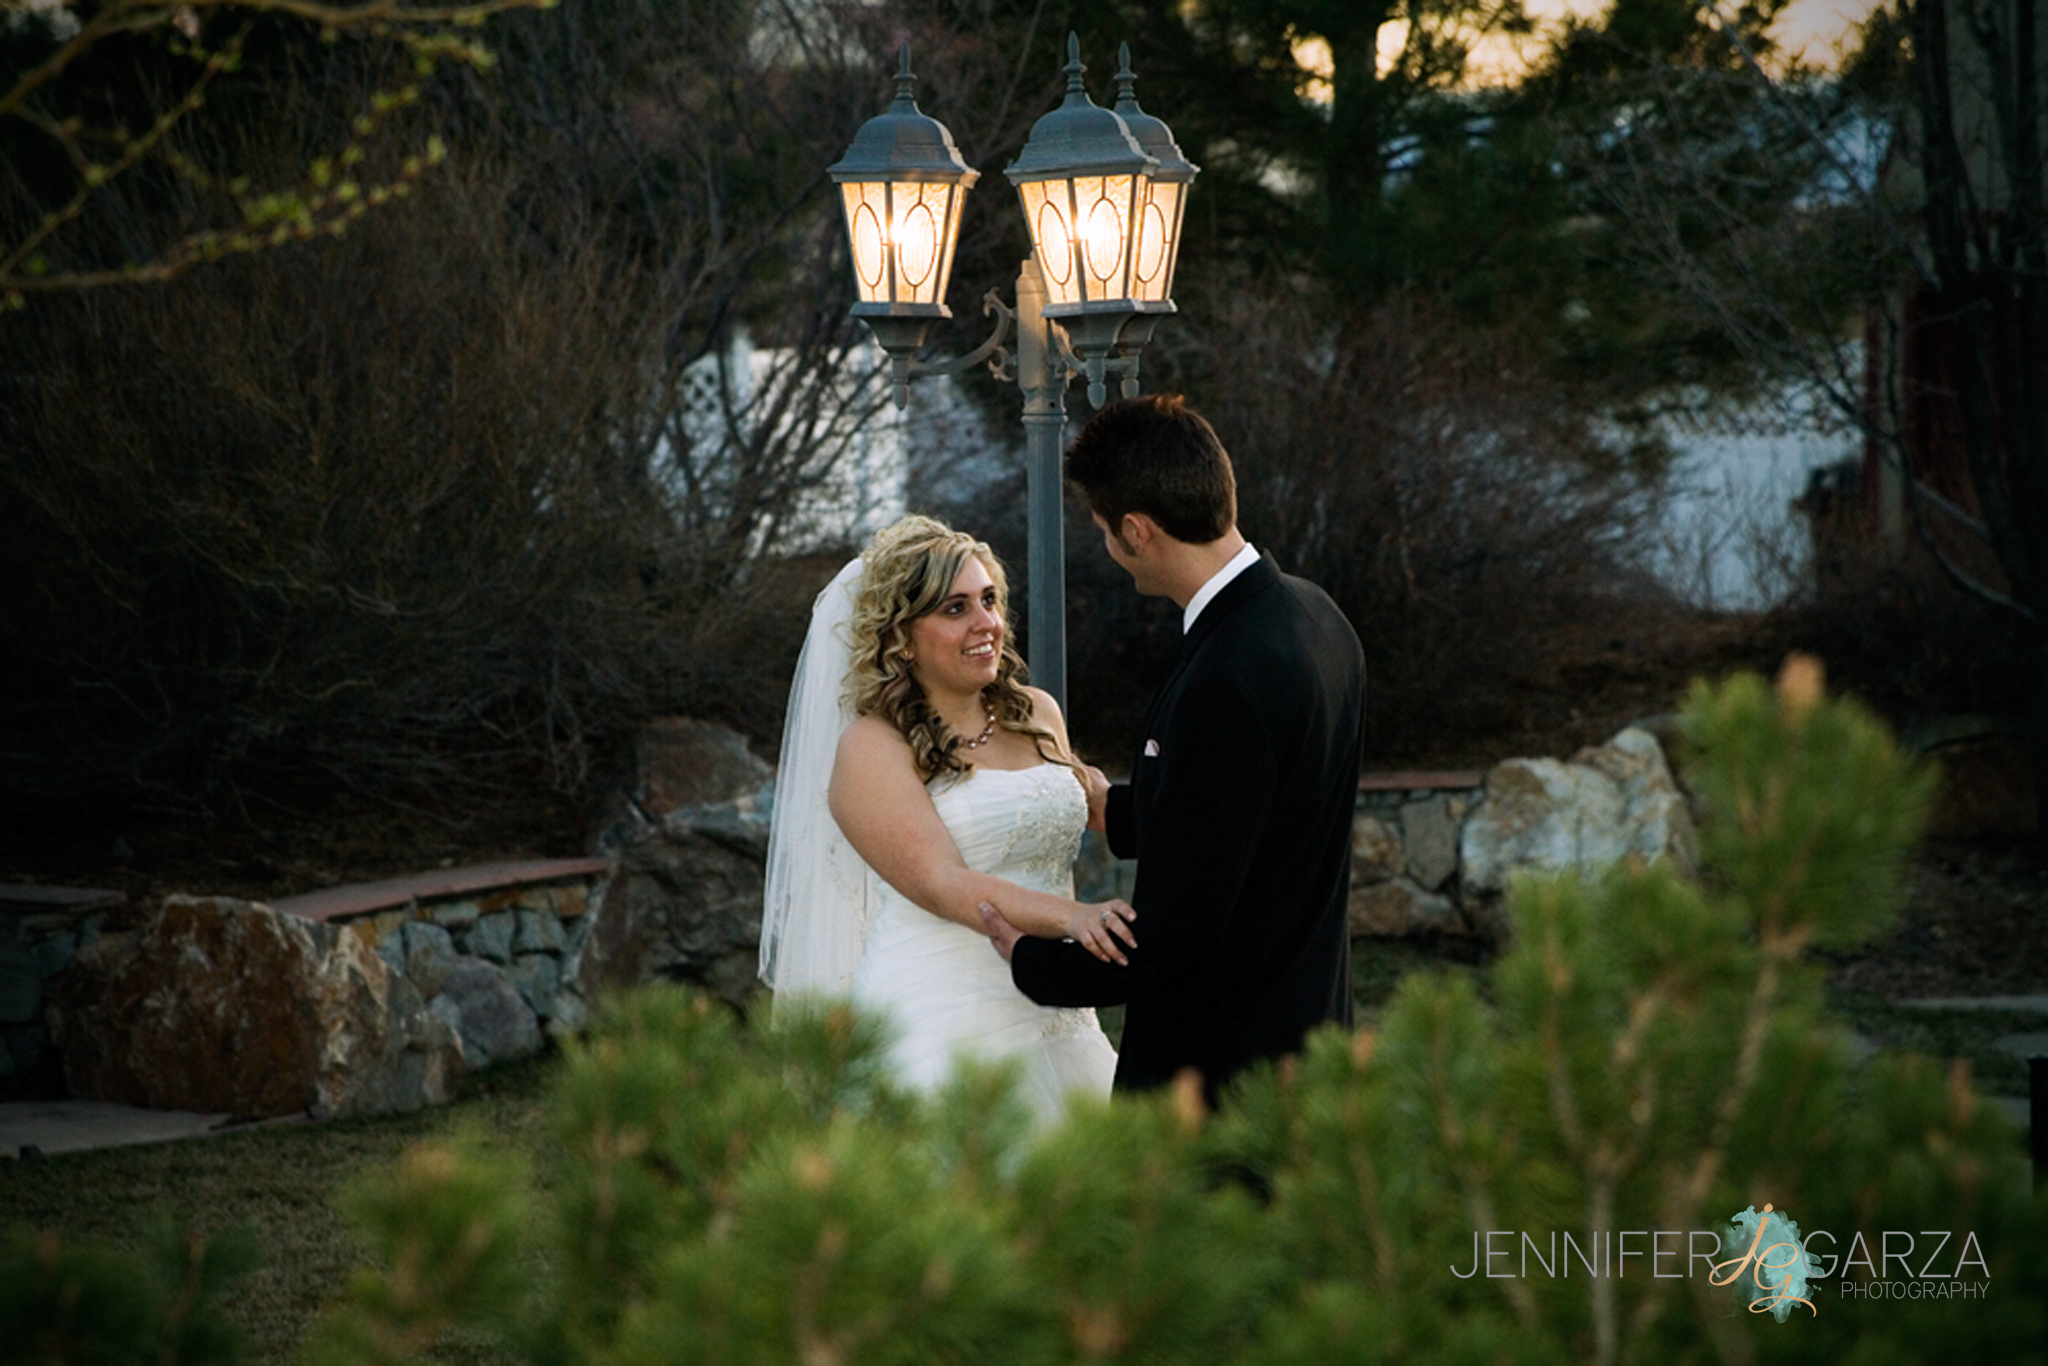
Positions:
{"x": 943, "y": 983}
{"x": 1023, "y": 825}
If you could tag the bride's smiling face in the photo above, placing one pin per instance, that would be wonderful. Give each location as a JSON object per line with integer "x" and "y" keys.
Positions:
{"x": 958, "y": 648}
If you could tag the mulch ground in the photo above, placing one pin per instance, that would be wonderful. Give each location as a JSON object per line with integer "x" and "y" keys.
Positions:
{"x": 1975, "y": 924}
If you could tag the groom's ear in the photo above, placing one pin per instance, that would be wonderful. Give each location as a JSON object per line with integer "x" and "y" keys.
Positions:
{"x": 1136, "y": 532}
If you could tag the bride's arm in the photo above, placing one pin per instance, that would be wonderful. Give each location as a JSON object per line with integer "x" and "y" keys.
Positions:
{"x": 887, "y": 816}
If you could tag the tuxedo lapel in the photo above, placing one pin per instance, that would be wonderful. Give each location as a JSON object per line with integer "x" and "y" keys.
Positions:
{"x": 1255, "y": 579}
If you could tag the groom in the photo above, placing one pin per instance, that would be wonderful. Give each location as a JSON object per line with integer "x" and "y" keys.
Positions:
{"x": 1240, "y": 801}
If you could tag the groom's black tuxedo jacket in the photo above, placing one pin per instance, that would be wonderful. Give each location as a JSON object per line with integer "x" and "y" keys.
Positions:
{"x": 1239, "y": 812}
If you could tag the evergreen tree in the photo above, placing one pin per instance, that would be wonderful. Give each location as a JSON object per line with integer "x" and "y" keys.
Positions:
{"x": 1652, "y": 1054}
{"x": 78, "y": 1302}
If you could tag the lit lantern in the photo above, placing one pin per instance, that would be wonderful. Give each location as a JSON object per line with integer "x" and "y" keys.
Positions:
{"x": 901, "y": 184}
{"x": 1086, "y": 188}
{"x": 1159, "y": 226}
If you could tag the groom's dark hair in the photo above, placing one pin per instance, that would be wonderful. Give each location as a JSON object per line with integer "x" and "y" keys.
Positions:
{"x": 1157, "y": 456}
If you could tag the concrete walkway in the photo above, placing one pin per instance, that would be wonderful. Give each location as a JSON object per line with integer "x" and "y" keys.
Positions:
{"x": 2031, "y": 1005}
{"x": 48, "y": 1127}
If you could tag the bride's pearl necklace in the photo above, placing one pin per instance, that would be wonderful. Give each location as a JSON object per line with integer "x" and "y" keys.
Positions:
{"x": 986, "y": 731}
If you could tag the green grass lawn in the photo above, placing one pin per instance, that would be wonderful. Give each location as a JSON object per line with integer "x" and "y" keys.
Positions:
{"x": 279, "y": 1180}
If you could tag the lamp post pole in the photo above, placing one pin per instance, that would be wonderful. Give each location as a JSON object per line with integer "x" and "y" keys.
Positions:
{"x": 1042, "y": 375}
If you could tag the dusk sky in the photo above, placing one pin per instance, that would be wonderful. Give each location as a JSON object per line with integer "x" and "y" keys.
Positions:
{"x": 1817, "y": 26}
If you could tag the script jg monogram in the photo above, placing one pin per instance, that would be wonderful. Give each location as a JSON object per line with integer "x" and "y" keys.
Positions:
{"x": 1774, "y": 1290}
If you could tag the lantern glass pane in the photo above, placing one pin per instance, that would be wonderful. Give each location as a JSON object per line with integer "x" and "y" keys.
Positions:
{"x": 1046, "y": 211}
{"x": 917, "y": 240}
{"x": 1157, "y": 230}
{"x": 1084, "y": 192}
{"x": 950, "y": 216}
{"x": 1105, "y": 241}
{"x": 1174, "y": 221}
{"x": 865, "y": 204}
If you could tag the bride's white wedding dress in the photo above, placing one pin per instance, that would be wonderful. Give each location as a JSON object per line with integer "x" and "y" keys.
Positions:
{"x": 947, "y": 991}
{"x": 830, "y": 927}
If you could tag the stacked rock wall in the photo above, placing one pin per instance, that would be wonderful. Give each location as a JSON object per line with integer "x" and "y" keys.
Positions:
{"x": 499, "y": 968}
{"x": 36, "y": 947}
{"x": 1434, "y": 855}
{"x": 234, "y": 1007}
{"x": 219, "y": 1005}
{"x": 1432, "y": 861}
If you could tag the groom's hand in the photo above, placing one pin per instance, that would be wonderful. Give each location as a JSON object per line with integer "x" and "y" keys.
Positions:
{"x": 1001, "y": 932}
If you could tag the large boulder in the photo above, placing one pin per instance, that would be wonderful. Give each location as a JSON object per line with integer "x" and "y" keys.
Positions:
{"x": 675, "y": 764}
{"x": 224, "y": 1006}
{"x": 1399, "y": 907}
{"x": 494, "y": 1019}
{"x": 1610, "y": 803}
{"x": 685, "y": 762}
{"x": 684, "y": 902}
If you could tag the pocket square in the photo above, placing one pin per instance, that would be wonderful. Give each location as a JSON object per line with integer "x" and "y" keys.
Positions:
{"x": 1151, "y": 749}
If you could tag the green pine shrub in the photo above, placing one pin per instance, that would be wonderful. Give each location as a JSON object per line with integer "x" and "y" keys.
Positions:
{"x": 81, "y": 1302}
{"x": 1651, "y": 1054}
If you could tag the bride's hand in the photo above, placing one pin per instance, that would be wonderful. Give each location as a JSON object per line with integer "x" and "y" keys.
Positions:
{"x": 1097, "y": 928}
{"x": 1098, "y": 796}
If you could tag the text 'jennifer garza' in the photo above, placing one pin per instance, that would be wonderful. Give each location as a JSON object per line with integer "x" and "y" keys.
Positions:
{"x": 1507, "y": 1254}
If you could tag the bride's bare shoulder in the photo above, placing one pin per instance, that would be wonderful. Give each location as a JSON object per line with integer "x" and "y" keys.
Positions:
{"x": 1046, "y": 712}
{"x": 1043, "y": 708}
{"x": 873, "y": 771}
{"x": 871, "y": 740}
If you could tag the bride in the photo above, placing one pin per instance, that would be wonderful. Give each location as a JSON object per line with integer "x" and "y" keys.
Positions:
{"x": 920, "y": 780}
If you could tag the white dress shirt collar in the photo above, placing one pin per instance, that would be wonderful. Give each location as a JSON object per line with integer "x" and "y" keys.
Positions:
{"x": 1241, "y": 561}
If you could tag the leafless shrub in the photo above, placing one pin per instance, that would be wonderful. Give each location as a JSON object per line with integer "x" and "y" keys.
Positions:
{"x": 458, "y": 497}
{"x": 1461, "y": 509}
{"x": 1888, "y": 622}
{"x": 1458, "y": 507}
{"x": 1456, "y": 504}
{"x": 379, "y": 512}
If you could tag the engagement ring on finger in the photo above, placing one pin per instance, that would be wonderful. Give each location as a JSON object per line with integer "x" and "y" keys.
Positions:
{"x": 1104, "y": 918}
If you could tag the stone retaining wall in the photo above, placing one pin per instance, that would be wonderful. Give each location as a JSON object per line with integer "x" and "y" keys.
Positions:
{"x": 353, "y": 1000}
{"x": 1404, "y": 857}
{"x": 499, "y": 967}
{"x": 1439, "y": 861}
{"x": 41, "y": 932}
{"x": 1432, "y": 854}
{"x": 377, "y": 997}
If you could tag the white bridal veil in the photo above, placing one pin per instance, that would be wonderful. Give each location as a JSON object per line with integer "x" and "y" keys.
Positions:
{"x": 819, "y": 900}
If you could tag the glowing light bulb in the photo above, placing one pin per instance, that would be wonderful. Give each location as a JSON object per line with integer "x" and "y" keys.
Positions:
{"x": 1104, "y": 233}
{"x": 917, "y": 244}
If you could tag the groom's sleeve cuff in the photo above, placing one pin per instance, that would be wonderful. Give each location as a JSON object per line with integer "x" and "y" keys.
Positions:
{"x": 1044, "y": 970}
{"x": 1117, "y": 822}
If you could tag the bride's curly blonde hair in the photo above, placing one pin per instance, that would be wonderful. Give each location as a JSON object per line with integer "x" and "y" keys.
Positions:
{"x": 907, "y": 571}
